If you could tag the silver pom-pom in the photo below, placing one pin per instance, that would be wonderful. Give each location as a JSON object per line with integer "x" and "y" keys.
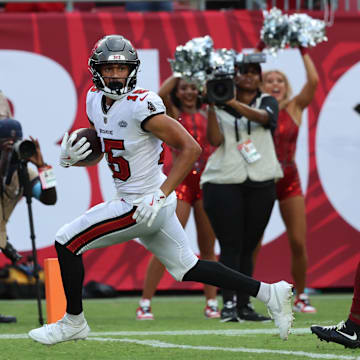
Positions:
{"x": 222, "y": 62}
{"x": 275, "y": 30}
{"x": 280, "y": 30}
{"x": 305, "y": 31}
{"x": 191, "y": 61}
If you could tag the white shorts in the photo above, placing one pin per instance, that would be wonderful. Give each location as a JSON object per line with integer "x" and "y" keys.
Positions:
{"x": 111, "y": 223}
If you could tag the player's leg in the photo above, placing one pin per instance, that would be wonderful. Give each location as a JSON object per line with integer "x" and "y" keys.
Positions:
{"x": 155, "y": 270}
{"x": 103, "y": 225}
{"x": 206, "y": 244}
{"x": 355, "y": 307}
{"x": 347, "y": 332}
{"x": 170, "y": 245}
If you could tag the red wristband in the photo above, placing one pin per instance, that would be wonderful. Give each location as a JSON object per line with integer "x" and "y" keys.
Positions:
{"x": 260, "y": 45}
{"x": 303, "y": 50}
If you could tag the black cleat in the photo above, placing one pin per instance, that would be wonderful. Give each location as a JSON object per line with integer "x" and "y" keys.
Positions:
{"x": 7, "y": 319}
{"x": 344, "y": 333}
{"x": 248, "y": 313}
{"x": 229, "y": 312}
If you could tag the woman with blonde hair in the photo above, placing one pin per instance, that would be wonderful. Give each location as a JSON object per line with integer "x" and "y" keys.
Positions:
{"x": 289, "y": 193}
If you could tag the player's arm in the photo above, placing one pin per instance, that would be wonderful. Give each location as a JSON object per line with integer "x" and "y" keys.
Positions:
{"x": 173, "y": 134}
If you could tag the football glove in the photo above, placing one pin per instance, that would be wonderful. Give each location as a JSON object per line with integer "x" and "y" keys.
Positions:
{"x": 148, "y": 207}
{"x": 71, "y": 154}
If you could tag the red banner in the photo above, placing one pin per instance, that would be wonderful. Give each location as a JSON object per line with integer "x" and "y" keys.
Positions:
{"x": 333, "y": 221}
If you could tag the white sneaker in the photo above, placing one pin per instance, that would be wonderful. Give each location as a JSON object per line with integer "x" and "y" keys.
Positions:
{"x": 62, "y": 330}
{"x": 279, "y": 307}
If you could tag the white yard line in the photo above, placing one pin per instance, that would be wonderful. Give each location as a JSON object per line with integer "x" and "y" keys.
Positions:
{"x": 234, "y": 332}
{"x": 160, "y": 344}
{"x": 99, "y": 336}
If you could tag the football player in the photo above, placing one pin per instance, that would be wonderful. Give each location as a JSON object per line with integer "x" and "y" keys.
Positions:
{"x": 132, "y": 125}
{"x": 347, "y": 332}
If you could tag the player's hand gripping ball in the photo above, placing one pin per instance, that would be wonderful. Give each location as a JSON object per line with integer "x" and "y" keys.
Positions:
{"x": 82, "y": 145}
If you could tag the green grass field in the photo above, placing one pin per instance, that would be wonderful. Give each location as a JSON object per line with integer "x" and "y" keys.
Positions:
{"x": 180, "y": 332}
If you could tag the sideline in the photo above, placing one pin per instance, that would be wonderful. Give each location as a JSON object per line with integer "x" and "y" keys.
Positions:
{"x": 161, "y": 344}
{"x": 233, "y": 332}
{"x": 99, "y": 336}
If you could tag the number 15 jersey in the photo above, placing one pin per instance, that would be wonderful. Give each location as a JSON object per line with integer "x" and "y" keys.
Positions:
{"x": 134, "y": 155}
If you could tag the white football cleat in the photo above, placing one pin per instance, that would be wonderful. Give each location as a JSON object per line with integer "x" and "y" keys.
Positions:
{"x": 62, "y": 330}
{"x": 279, "y": 307}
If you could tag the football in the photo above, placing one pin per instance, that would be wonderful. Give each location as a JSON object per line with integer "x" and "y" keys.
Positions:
{"x": 93, "y": 139}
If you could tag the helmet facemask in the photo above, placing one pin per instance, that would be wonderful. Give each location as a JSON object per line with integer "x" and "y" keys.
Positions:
{"x": 114, "y": 90}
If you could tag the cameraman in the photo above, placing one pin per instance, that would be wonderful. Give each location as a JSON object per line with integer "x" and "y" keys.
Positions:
{"x": 12, "y": 179}
{"x": 239, "y": 179}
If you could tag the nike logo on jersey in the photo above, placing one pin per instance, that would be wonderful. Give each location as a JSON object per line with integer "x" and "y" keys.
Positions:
{"x": 350, "y": 337}
{"x": 143, "y": 98}
{"x": 152, "y": 202}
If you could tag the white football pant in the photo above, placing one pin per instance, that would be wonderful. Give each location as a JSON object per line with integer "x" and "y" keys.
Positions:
{"x": 111, "y": 223}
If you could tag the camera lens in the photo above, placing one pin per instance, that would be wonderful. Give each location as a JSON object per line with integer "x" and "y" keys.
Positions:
{"x": 25, "y": 149}
{"x": 220, "y": 89}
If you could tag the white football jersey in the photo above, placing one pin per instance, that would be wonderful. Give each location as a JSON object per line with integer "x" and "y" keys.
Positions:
{"x": 134, "y": 155}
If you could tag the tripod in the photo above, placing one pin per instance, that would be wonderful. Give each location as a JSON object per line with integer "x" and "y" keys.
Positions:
{"x": 25, "y": 183}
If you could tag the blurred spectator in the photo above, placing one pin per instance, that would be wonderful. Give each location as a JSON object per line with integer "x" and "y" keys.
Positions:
{"x": 216, "y": 5}
{"x": 5, "y": 113}
{"x": 239, "y": 179}
{"x": 35, "y": 7}
{"x": 12, "y": 182}
{"x": 10, "y": 190}
{"x": 289, "y": 193}
{"x": 47, "y": 6}
{"x": 144, "y": 6}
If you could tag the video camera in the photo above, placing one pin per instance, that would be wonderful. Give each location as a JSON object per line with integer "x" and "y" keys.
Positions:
{"x": 222, "y": 87}
{"x": 243, "y": 60}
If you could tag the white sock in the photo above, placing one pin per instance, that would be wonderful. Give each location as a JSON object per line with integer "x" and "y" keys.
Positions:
{"x": 264, "y": 293}
{"x": 144, "y": 302}
{"x": 75, "y": 319}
